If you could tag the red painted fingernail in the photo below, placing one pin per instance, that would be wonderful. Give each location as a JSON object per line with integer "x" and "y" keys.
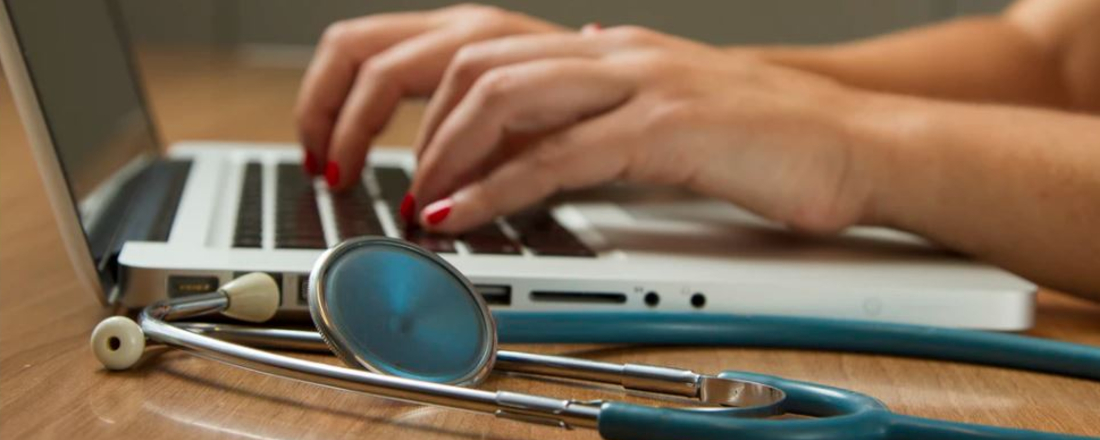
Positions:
{"x": 310, "y": 163}
{"x": 332, "y": 173}
{"x": 408, "y": 208}
{"x": 438, "y": 211}
{"x": 591, "y": 28}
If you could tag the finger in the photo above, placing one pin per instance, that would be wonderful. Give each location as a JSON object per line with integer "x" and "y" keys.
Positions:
{"x": 474, "y": 60}
{"x": 331, "y": 73}
{"x": 531, "y": 97}
{"x": 588, "y": 154}
{"x": 382, "y": 81}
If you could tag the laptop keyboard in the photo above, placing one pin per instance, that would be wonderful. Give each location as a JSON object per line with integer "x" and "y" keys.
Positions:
{"x": 298, "y": 221}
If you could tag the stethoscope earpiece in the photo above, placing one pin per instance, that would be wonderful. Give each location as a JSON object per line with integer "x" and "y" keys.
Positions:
{"x": 118, "y": 342}
{"x": 253, "y": 297}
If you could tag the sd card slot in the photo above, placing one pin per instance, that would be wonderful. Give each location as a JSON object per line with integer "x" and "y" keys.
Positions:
{"x": 495, "y": 295}
{"x": 578, "y": 297}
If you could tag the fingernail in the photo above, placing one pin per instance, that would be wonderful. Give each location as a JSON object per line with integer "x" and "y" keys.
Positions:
{"x": 591, "y": 28}
{"x": 332, "y": 173}
{"x": 438, "y": 211}
{"x": 408, "y": 208}
{"x": 310, "y": 163}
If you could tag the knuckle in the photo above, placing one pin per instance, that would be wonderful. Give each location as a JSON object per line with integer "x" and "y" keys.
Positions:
{"x": 648, "y": 64}
{"x": 632, "y": 34}
{"x": 489, "y": 13}
{"x": 339, "y": 35}
{"x": 378, "y": 70}
{"x": 469, "y": 63}
{"x": 493, "y": 86}
{"x": 480, "y": 14}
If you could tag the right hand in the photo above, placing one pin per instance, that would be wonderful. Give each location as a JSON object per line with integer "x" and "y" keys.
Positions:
{"x": 363, "y": 68}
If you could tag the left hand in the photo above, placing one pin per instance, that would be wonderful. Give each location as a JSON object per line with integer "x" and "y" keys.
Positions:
{"x": 628, "y": 103}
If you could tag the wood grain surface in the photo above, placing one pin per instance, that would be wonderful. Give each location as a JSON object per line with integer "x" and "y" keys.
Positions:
{"x": 52, "y": 387}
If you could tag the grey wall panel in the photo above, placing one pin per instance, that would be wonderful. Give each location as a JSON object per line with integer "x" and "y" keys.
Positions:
{"x": 301, "y": 21}
{"x": 717, "y": 21}
{"x": 176, "y": 21}
{"x": 969, "y": 7}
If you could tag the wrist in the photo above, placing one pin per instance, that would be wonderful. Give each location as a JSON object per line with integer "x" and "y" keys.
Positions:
{"x": 891, "y": 156}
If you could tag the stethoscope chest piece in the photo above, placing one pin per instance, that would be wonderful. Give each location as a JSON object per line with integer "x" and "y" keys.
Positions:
{"x": 397, "y": 309}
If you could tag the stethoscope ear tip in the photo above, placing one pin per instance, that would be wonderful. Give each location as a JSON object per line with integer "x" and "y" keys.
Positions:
{"x": 118, "y": 342}
{"x": 252, "y": 297}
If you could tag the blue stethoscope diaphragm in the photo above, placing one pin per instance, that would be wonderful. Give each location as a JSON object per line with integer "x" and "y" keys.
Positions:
{"x": 396, "y": 309}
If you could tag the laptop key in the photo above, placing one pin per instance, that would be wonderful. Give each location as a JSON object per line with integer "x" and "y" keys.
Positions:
{"x": 250, "y": 209}
{"x": 393, "y": 184}
{"x": 490, "y": 239}
{"x": 433, "y": 242}
{"x": 539, "y": 231}
{"x": 354, "y": 213}
{"x": 297, "y": 219}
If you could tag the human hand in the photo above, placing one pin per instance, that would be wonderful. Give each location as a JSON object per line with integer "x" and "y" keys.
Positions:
{"x": 635, "y": 105}
{"x": 364, "y": 66}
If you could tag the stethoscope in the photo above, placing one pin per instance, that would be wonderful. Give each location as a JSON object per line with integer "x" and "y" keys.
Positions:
{"x": 414, "y": 329}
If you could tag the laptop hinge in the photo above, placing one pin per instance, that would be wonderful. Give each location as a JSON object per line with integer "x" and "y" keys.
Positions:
{"x": 143, "y": 209}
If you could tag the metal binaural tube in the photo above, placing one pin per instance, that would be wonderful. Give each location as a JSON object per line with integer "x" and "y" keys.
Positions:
{"x": 631, "y": 376}
{"x": 558, "y": 412}
{"x": 190, "y": 306}
{"x": 671, "y": 381}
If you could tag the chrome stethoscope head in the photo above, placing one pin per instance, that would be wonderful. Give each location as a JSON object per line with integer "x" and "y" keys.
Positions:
{"x": 395, "y": 308}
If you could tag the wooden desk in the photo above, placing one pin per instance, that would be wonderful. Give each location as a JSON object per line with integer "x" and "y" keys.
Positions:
{"x": 53, "y": 387}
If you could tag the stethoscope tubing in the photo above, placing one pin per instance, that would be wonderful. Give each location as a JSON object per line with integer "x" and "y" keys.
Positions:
{"x": 841, "y": 414}
{"x": 960, "y": 345}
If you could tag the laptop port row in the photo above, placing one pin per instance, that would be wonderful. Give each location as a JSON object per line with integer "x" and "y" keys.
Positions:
{"x": 184, "y": 285}
{"x": 493, "y": 294}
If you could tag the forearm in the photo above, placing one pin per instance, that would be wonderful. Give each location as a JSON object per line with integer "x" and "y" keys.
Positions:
{"x": 979, "y": 59}
{"x": 1014, "y": 186}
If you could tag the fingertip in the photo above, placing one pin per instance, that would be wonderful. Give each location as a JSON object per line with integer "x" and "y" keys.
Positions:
{"x": 332, "y": 174}
{"x": 309, "y": 163}
{"x": 408, "y": 208}
{"x": 436, "y": 213}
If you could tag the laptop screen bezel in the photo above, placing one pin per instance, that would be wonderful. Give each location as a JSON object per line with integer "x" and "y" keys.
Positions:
{"x": 47, "y": 156}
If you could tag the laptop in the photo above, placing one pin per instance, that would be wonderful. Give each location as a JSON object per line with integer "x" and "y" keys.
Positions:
{"x": 142, "y": 223}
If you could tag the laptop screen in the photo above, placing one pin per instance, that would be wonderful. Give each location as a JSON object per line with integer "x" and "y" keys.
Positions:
{"x": 79, "y": 63}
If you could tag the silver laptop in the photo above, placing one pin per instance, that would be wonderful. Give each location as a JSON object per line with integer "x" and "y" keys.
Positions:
{"x": 141, "y": 225}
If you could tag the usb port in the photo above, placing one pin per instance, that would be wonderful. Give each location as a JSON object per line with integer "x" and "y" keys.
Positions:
{"x": 495, "y": 295}
{"x": 578, "y": 297}
{"x": 303, "y": 289}
{"x": 183, "y": 285}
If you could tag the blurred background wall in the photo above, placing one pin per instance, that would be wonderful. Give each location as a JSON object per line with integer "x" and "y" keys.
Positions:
{"x": 298, "y": 23}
